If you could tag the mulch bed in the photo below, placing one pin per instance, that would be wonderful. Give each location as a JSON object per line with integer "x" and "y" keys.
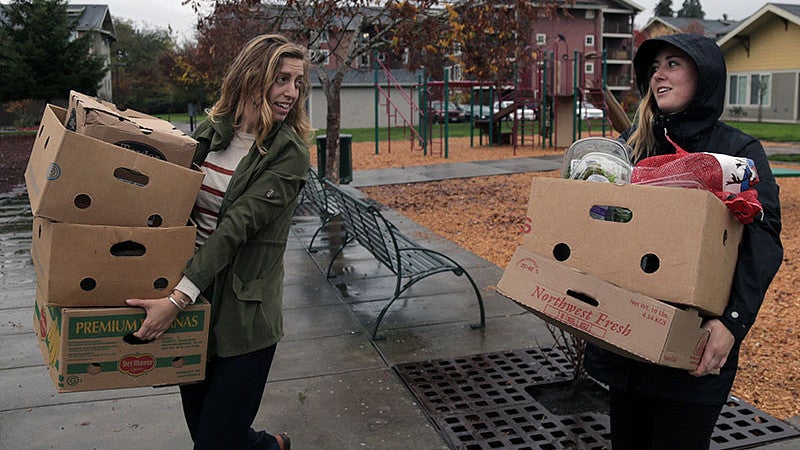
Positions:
{"x": 14, "y": 153}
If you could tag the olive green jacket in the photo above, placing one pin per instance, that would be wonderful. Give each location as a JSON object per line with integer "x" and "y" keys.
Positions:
{"x": 240, "y": 267}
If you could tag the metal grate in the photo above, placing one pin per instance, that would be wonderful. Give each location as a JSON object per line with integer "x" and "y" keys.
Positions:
{"x": 740, "y": 425}
{"x": 506, "y": 400}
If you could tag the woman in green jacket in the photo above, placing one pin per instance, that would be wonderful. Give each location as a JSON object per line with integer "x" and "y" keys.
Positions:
{"x": 254, "y": 151}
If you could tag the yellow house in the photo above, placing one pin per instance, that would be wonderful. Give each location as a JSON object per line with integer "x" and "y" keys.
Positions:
{"x": 764, "y": 66}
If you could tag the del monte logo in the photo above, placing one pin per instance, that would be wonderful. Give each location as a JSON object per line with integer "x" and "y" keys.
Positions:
{"x": 137, "y": 364}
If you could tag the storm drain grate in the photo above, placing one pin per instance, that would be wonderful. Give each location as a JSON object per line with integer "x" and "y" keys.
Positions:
{"x": 520, "y": 399}
{"x": 740, "y": 425}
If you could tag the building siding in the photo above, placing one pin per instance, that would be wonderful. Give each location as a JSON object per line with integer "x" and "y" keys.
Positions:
{"x": 768, "y": 48}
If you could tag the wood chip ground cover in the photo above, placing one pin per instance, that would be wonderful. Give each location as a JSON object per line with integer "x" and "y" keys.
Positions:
{"x": 484, "y": 215}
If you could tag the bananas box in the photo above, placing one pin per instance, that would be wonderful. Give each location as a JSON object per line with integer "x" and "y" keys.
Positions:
{"x": 129, "y": 129}
{"x": 76, "y": 178}
{"x": 94, "y": 265}
{"x": 88, "y": 349}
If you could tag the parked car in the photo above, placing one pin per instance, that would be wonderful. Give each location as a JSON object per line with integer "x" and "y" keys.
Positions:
{"x": 436, "y": 109}
{"x": 524, "y": 113}
{"x": 589, "y": 111}
{"x": 479, "y": 112}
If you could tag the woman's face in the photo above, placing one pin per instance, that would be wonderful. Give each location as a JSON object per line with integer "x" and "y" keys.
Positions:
{"x": 286, "y": 89}
{"x": 674, "y": 80}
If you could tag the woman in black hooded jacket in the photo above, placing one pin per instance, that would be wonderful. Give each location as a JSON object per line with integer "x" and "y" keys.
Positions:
{"x": 682, "y": 80}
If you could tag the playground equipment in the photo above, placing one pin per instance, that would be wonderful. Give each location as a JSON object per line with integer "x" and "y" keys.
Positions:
{"x": 545, "y": 88}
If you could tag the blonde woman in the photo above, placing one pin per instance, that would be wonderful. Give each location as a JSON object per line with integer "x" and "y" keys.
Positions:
{"x": 682, "y": 81}
{"x": 254, "y": 150}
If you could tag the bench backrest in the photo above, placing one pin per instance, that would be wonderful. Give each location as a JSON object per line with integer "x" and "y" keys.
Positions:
{"x": 366, "y": 224}
{"x": 315, "y": 192}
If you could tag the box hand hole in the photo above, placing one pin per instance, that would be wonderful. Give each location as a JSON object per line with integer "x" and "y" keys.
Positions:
{"x": 128, "y": 248}
{"x": 83, "y": 201}
{"x": 561, "y": 252}
{"x": 133, "y": 340}
{"x": 154, "y": 220}
{"x": 650, "y": 263}
{"x": 88, "y": 284}
{"x": 160, "y": 284}
{"x": 131, "y": 176}
{"x": 610, "y": 213}
{"x": 580, "y": 296}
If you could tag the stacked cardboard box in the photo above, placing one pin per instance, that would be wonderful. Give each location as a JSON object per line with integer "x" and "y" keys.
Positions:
{"x": 639, "y": 285}
{"x": 110, "y": 224}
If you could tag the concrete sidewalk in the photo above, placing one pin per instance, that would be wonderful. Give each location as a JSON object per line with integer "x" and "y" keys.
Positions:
{"x": 331, "y": 387}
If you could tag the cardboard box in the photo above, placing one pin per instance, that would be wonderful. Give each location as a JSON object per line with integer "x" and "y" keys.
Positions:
{"x": 79, "y": 179}
{"x": 680, "y": 244}
{"x": 97, "y": 265}
{"x": 86, "y": 349}
{"x": 129, "y": 129}
{"x": 622, "y": 321}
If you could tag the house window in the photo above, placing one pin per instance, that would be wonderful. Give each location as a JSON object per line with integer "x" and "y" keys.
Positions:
{"x": 363, "y": 60}
{"x": 588, "y": 40}
{"x": 737, "y": 89}
{"x": 759, "y": 89}
{"x": 406, "y": 56}
{"x": 589, "y": 14}
{"x": 751, "y": 89}
{"x": 541, "y": 39}
{"x": 381, "y": 56}
{"x": 326, "y": 57}
{"x": 588, "y": 67}
{"x": 455, "y": 73}
{"x": 323, "y": 36}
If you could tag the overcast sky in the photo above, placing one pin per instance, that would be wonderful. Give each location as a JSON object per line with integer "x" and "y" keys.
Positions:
{"x": 160, "y": 13}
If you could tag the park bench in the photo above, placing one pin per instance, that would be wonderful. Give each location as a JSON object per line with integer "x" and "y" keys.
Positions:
{"x": 316, "y": 194}
{"x": 406, "y": 259}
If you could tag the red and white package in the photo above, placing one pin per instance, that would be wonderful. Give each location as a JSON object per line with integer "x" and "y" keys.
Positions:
{"x": 728, "y": 177}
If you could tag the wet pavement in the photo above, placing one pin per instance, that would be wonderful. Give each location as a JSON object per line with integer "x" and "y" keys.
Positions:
{"x": 330, "y": 386}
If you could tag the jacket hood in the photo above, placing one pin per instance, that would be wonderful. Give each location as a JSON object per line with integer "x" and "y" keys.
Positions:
{"x": 708, "y": 103}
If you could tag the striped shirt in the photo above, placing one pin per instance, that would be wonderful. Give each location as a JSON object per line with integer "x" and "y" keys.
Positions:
{"x": 218, "y": 167}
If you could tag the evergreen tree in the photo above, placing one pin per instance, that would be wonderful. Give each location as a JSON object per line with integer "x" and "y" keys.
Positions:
{"x": 691, "y": 9}
{"x": 663, "y": 8}
{"x": 38, "y": 57}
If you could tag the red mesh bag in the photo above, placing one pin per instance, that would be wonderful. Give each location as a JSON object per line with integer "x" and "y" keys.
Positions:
{"x": 728, "y": 177}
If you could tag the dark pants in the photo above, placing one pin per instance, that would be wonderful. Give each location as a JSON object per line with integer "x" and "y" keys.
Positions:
{"x": 220, "y": 410}
{"x": 640, "y": 422}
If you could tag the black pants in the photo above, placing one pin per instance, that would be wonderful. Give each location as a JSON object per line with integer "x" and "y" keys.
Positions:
{"x": 640, "y": 422}
{"x": 220, "y": 410}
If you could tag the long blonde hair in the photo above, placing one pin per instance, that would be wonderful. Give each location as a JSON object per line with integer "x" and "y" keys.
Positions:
{"x": 252, "y": 74}
{"x": 643, "y": 140}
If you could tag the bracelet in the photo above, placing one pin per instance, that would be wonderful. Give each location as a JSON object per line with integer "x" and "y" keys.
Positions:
{"x": 177, "y": 305}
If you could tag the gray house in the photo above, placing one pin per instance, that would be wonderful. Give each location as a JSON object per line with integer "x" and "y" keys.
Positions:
{"x": 358, "y": 99}
{"x": 96, "y": 19}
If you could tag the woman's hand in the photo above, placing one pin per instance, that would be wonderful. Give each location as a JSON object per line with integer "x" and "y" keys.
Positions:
{"x": 160, "y": 315}
{"x": 719, "y": 345}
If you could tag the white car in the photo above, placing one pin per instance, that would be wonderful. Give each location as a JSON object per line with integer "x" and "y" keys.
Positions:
{"x": 589, "y": 111}
{"x": 478, "y": 111}
{"x": 524, "y": 113}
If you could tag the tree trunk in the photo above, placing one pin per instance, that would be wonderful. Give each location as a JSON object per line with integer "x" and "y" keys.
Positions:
{"x": 332, "y": 89}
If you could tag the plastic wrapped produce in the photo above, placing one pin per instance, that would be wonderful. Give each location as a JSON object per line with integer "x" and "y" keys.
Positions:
{"x": 597, "y": 159}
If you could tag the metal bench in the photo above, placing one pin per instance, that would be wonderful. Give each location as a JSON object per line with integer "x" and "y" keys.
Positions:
{"x": 315, "y": 192}
{"x": 405, "y": 258}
